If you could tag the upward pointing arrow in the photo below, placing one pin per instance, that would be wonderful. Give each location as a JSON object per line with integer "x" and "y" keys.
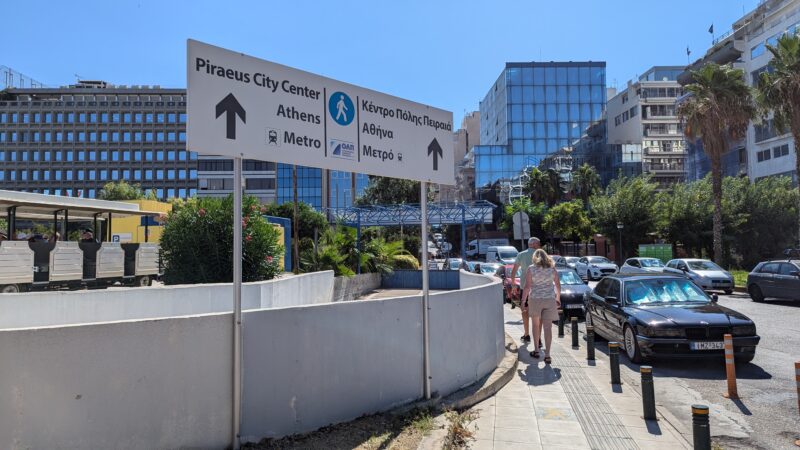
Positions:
{"x": 434, "y": 148}
{"x": 230, "y": 105}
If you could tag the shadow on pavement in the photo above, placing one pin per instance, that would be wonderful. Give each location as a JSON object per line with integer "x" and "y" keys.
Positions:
{"x": 652, "y": 427}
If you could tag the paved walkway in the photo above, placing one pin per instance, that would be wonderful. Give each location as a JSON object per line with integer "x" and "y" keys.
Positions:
{"x": 569, "y": 404}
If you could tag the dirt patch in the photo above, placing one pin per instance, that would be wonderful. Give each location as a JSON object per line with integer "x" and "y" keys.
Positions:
{"x": 378, "y": 431}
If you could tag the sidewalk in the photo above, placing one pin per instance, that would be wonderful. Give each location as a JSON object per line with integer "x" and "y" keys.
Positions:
{"x": 569, "y": 404}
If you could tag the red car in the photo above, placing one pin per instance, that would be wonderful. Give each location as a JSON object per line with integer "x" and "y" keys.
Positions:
{"x": 504, "y": 272}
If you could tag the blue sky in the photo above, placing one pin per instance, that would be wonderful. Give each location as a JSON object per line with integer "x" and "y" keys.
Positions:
{"x": 443, "y": 53}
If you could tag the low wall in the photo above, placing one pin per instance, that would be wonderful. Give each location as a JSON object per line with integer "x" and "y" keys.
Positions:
{"x": 350, "y": 288}
{"x": 412, "y": 279}
{"x": 139, "y": 384}
{"x": 51, "y": 308}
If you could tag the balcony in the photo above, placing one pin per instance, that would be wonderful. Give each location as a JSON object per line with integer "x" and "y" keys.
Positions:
{"x": 656, "y": 168}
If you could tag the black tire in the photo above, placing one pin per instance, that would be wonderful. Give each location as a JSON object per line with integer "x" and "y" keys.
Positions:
{"x": 144, "y": 281}
{"x": 728, "y": 291}
{"x": 631, "y": 345}
{"x": 755, "y": 293}
{"x": 744, "y": 358}
{"x": 9, "y": 289}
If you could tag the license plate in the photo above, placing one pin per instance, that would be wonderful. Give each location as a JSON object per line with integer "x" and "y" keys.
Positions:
{"x": 706, "y": 345}
{"x": 574, "y": 306}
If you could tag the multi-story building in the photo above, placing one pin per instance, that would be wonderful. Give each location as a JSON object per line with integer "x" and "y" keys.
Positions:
{"x": 534, "y": 109}
{"x": 762, "y": 152}
{"x": 72, "y": 140}
{"x": 644, "y": 115}
{"x": 464, "y": 139}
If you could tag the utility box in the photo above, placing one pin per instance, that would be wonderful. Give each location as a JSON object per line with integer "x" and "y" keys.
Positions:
{"x": 660, "y": 251}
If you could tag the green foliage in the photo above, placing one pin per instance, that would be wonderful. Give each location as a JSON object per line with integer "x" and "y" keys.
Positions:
{"x": 629, "y": 201}
{"x": 3, "y": 226}
{"x": 337, "y": 251}
{"x": 308, "y": 217}
{"x": 684, "y": 215}
{"x": 535, "y": 212}
{"x": 120, "y": 190}
{"x": 569, "y": 220}
{"x": 778, "y": 90}
{"x": 197, "y": 242}
{"x": 383, "y": 257}
{"x": 389, "y": 191}
{"x": 585, "y": 183}
{"x": 543, "y": 186}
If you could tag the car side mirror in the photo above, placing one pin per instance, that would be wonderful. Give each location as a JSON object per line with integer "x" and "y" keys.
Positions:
{"x": 612, "y": 299}
{"x": 714, "y": 298}
{"x": 795, "y": 273}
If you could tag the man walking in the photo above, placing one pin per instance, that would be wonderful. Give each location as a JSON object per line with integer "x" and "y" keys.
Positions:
{"x": 523, "y": 261}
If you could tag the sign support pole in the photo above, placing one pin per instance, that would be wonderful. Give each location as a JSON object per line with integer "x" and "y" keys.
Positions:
{"x": 426, "y": 369}
{"x": 237, "y": 300}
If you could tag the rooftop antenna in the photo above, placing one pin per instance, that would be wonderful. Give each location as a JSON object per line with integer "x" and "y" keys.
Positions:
{"x": 77, "y": 77}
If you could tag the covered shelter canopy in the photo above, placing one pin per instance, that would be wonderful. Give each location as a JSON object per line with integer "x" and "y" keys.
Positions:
{"x": 443, "y": 213}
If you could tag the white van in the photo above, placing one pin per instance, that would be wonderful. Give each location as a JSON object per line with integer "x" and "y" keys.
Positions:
{"x": 504, "y": 254}
{"x": 479, "y": 247}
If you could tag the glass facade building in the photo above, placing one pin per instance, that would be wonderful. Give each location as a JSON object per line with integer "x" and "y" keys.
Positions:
{"x": 340, "y": 187}
{"x": 533, "y": 110}
{"x": 309, "y": 185}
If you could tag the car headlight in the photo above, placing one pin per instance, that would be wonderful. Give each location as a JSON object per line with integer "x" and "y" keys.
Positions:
{"x": 660, "y": 332}
{"x": 744, "y": 330}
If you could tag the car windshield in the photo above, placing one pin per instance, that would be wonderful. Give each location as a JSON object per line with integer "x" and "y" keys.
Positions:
{"x": 702, "y": 265}
{"x": 662, "y": 290}
{"x": 599, "y": 260}
{"x": 507, "y": 255}
{"x": 569, "y": 277}
{"x": 488, "y": 268}
{"x": 572, "y": 259}
{"x": 508, "y": 271}
{"x": 455, "y": 264}
{"x": 651, "y": 262}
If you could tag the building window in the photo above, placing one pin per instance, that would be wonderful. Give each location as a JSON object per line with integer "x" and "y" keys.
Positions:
{"x": 763, "y": 155}
{"x": 757, "y": 51}
{"x": 780, "y": 151}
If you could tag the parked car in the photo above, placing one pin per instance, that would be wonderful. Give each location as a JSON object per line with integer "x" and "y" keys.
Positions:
{"x": 642, "y": 265}
{"x": 775, "y": 279}
{"x": 595, "y": 267}
{"x": 453, "y": 263}
{"x": 703, "y": 272}
{"x": 487, "y": 268}
{"x": 504, "y": 254}
{"x": 666, "y": 315}
{"x": 508, "y": 288}
{"x": 559, "y": 260}
{"x": 571, "y": 261}
{"x": 573, "y": 290}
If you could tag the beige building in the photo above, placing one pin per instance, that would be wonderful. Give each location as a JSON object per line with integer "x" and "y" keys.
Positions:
{"x": 464, "y": 139}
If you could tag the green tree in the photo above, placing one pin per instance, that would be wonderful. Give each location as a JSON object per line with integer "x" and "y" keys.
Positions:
{"x": 384, "y": 256}
{"x": 121, "y": 190}
{"x": 569, "y": 220}
{"x": 778, "y": 90}
{"x": 538, "y": 186}
{"x": 718, "y": 111}
{"x": 389, "y": 191}
{"x": 628, "y": 201}
{"x": 535, "y": 212}
{"x": 585, "y": 183}
{"x": 197, "y": 243}
{"x": 554, "y": 190}
{"x": 309, "y": 218}
{"x": 683, "y": 215}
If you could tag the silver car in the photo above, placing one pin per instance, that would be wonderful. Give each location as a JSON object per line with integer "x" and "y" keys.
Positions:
{"x": 703, "y": 272}
{"x": 642, "y": 265}
{"x": 595, "y": 267}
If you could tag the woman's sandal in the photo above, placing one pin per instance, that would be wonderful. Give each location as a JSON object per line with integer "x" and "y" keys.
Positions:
{"x": 547, "y": 360}
{"x": 535, "y": 354}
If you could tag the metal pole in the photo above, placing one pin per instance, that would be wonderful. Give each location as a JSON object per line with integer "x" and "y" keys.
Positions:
{"x": 463, "y": 233}
{"x": 701, "y": 431}
{"x": 426, "y": 369}
{"x": 295, "y": 224}
{"x": 590, "y": 343}
{"x": 574, "y": 332}
{"x": 648, "y": 393}
{"x": 560, "y": 323}
{"x": 65, "y": 237}
{"x": 730, "y": 368}
{"x": 358, "y": 241}
{"x": 237, "y": 299}
{"x": 613, "y": 355}
{"x": 108, "y": 232}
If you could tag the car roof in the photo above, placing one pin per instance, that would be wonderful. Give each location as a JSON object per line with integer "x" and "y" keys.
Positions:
{"x": 565, "y": 269}
{"x": 644, "y": 276}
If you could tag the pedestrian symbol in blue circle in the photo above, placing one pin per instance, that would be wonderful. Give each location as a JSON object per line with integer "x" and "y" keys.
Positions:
{"x": 341, "y": 108}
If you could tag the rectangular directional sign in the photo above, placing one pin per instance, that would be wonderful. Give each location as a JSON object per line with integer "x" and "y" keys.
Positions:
{"x": 243, "y": 106}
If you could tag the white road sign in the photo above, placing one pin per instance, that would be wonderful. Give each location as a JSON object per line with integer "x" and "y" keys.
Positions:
{"x": 243, "y": 106}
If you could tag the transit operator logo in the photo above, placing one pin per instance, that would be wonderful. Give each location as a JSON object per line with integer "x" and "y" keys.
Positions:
{"x": 341, "y": 108}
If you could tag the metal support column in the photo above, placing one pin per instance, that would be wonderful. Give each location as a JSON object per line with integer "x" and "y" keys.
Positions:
{"x": 94, "y": 229}
{"x": 295, "y": 223}
{"x": 358, "y": 242}
{"x": 463, "y": 232}
{"x": 426, "y": 364}
{"x": 65, "y": 228}
{"x": 12, "y": 222}
{"x": 55, "y": 221}
{"x": 108, "y": 228}
{"x": 237, "y": 300}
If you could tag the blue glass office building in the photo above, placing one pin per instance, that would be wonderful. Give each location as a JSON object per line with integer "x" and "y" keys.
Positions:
{"x": 310, "y": 183}
{"x": 533, "y": 110}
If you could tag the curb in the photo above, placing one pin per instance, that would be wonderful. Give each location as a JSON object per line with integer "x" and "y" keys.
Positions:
{"x": 476, "y": 392}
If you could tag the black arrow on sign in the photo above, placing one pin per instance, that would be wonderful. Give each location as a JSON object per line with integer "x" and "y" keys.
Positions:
{"x": 434, "y": 148}
{"x": 230, "y": 105}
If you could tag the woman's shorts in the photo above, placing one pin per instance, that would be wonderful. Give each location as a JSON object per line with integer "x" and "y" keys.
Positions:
{"x": 546, "y": 309}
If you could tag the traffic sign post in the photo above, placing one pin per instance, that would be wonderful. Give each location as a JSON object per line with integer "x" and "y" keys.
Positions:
{"x": 522, "y": 228}
{"x": 244, "y": 107}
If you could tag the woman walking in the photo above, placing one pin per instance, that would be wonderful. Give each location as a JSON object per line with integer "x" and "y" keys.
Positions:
{"x": 543, "y": 291}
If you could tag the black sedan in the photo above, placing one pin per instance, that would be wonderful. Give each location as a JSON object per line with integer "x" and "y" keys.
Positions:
{"x": 666, "y": 315}
{"x": 573, "y": 290}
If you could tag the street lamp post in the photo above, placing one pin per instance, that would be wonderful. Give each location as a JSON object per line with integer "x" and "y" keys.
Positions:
{"x": 620, "y": 226}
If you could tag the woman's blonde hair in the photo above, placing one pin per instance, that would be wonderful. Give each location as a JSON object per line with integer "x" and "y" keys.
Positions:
{"x": 542, "y": 259}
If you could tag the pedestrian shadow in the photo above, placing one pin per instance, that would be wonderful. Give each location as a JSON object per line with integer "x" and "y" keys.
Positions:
{"x": 742, "y": 407}
{"x": 533, "y": 374}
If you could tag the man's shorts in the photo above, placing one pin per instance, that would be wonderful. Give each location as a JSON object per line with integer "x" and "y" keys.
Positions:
{"x": 546, "y": 309}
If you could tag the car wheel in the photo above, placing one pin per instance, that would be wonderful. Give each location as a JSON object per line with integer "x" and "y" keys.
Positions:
{"x": 744, "y": 358}
{"x": 728, "y": 291}
{"x": 755, "y": 293}
{"x": 144, "y": 281}
{"x": 632, "y": 346}
{"x": 9, "y": 289}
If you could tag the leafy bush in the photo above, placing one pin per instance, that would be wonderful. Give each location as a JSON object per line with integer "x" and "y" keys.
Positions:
{"x": 197, "y": 242}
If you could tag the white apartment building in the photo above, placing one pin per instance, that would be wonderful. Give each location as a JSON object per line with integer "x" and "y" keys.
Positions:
{"x": 643, "y": 115}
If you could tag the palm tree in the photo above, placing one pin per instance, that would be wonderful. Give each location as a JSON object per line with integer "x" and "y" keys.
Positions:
{"x": 778, "y": 90}
{"x": 585, "y": 182}
{"x": 718, "y": 111}
{"x": 554, "y": 189}
{"x": 537, "y": 186}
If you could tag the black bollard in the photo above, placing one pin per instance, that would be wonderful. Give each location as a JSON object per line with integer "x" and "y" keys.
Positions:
{"x": 648, "y": 393}
{"x": 613, "y": 355}
{"x": 589, "y": 342}
{"x": 574, "y": 321}
{"x": 700, "y": 427}
{"x": 560, "y": 323}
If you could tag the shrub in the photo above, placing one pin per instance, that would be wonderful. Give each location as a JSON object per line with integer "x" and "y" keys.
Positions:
{"x": 197, "y": 242}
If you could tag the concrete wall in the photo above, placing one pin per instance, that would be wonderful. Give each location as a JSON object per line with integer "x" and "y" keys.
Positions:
{"x": 350, "y": 288}
{"x": 412, "y": 279}
{"x": 138, "y": 384}
{"x": 38, "y": 309}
